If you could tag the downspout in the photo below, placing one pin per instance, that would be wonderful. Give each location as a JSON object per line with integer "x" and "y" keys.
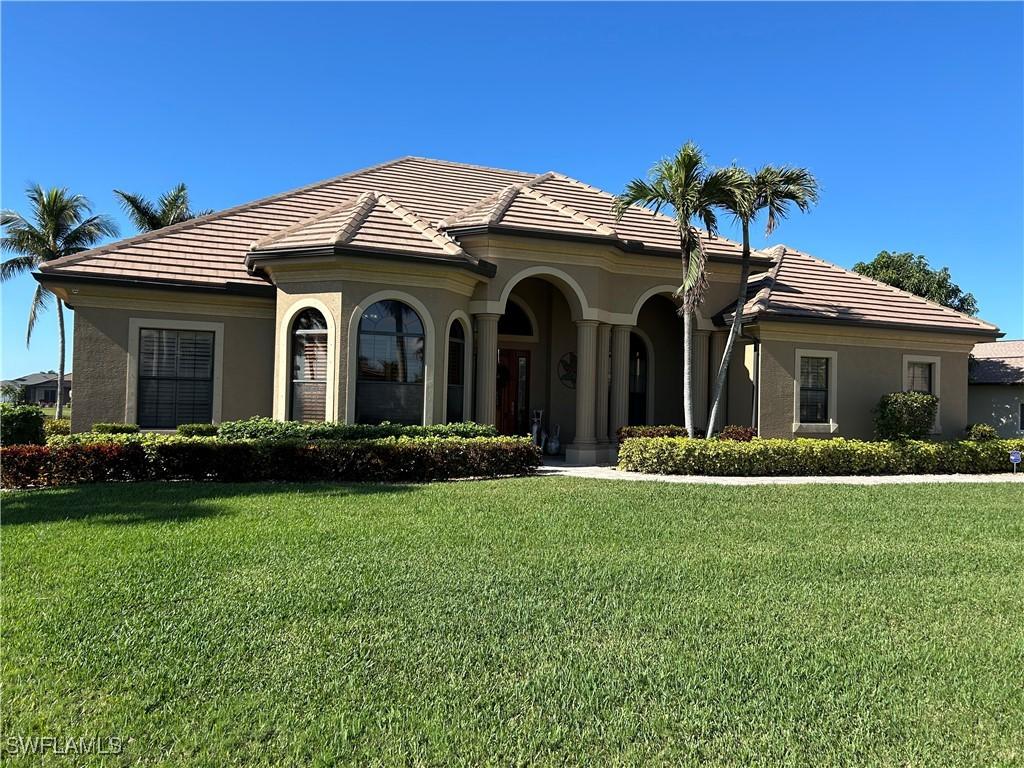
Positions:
{"x": 755, "y": 416}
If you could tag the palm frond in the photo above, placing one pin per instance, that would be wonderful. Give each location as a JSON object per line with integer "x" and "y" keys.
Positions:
{"x": 40, "y": 303}
{"x": 89, "y": 233}
{"x": 778, "y": 187}
{"x": 16, "y": 265}
{"x": 642, "y": 193}
{"x": 143, "y": 214}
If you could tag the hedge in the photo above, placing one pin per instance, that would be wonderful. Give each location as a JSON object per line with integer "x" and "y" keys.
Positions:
{"x": 905, "y": 415}
{"x": 262, "y": 428}
{"x": 114, "y": 428}
{"x": 21, "y": 425}
{"x": 129, "y": 458}
{"x": 682, "y": 456}
{"x": 54, "y": 427}
{"x": 650, "y": 430}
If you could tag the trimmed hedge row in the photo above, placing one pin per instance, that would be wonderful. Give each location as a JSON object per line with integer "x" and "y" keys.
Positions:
{"x": 682, "y": 456}
{"x": 21, "y": 425}
{"x": 128, "y": 458}
{"x": 262, "y": 428}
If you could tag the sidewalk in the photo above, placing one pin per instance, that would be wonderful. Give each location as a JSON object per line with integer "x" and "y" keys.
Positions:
{"x": 558, "y": 469}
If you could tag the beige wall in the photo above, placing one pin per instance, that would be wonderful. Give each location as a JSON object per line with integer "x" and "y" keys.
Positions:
{"x": 101, "y": 362}
{"x": 998, "y": 405}
{"x": 869, "y": 364}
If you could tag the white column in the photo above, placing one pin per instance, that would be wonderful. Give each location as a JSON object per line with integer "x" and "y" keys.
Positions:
{"x": 701, "y": 343}
{"x": 486, "y": 368}
{"x": 604, "y": 334}
{"x": 718, "y": 339}
{"x": 620, "y": 378}
{"x": 586, "y": 376}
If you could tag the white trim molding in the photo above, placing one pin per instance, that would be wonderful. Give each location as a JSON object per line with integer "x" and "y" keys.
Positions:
{"x": 135, "y": 325}
{"x": 467, "y": 372}
{"x": 936, "y": 363}
{"x": 429, "y": 337}
{"x": 832, "y": 425}
{"x": 284, "y": 346}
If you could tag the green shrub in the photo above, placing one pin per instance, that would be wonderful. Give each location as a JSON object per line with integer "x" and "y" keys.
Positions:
{"x": 172, "y": 457}
{"x": 682, "y": 456}
{"x": 197, "y": 430}
{"x": 905, "y": 415}
{"x": 21, "y": 425}
{"x": 741, "y": 434}
{"x": 650, "y": 430}
{"x": 981, "y": 432}
{"x": 262, "y": 428}
{"x": 56, "y": 427}
{"x": 114, "y": 428}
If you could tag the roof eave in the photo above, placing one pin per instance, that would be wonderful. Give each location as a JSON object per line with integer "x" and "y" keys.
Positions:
{"x": 255, "y": 261}
{"x": 227, "y": 287}
{"x": 796, "y": 318}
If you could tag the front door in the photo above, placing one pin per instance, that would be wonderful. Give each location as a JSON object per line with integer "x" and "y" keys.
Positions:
{"x": 513, "y": 404}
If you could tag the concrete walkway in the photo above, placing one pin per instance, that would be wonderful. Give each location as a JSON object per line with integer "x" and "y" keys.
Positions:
{"x": 558, "y": 469}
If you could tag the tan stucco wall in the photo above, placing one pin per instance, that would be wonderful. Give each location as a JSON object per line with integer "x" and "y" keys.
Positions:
{"x": 101, "y": 362}
{"x": 998, "y": 405}
{"x": 869, "y": 364}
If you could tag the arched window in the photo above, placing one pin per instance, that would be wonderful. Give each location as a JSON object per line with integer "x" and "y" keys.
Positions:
{"x": 389, "y": 384}
{"x": 456, "y": 372}
{"x": 637, "y": 380}
{"x": 309, "y": 367}
{"x": 515, "y": 321}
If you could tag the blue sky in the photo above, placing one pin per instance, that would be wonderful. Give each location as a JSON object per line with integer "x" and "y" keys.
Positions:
{"x": 911, "y": 115}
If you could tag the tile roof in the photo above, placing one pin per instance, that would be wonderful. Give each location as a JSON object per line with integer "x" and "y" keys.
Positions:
{"x": 802, "y": 286}
{"x": 211, "y": 250}
{"x": 32, "y": 379}
{"x": 997, "y": 362}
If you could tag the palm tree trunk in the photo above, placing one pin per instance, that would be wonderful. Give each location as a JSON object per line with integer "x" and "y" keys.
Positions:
{"x": 60, "y": 364}
{"x": 734, "y": 331}
{"x": 688, "y": 373}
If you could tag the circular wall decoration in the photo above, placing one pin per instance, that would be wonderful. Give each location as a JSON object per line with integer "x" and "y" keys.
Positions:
{"x": 567, "y": 370}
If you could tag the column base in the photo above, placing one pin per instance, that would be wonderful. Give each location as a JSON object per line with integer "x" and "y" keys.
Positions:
{"x": 584, "y": 454}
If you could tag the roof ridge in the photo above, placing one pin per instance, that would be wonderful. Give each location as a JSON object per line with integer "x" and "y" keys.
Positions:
{"x": 574, "y": 214}
{"x": 893, "y": 289}
{"x": 190, "y": 223}
{"x": 763, "y": 297}
{"x": 438, "y": 161}
{"x": 361, "y": 209}
{"x": 302, "y": 224}
{"x": 423, "y": 226}
{"x": 502, "y": 199}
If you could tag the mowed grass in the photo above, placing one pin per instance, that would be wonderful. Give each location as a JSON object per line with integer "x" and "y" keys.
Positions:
{"x": 534, "y": 622}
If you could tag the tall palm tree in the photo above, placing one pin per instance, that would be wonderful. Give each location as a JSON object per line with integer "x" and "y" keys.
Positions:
{"x": 684, "y": 185}
{"x": 171, "y": 208}
{"x": 61, "y": 225}
{"x": 772, "y": 189}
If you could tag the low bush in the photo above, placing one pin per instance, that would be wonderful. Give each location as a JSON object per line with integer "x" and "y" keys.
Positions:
{"x": 114, "y": 428}
{"x": 262, "y": 428}
{"x": 905, "y": 415}
{"x": 981, "y": 432}
{"x": 56, "y": 427}
{"x": 21, "y": 425}
{"x": 171, "y": 457}
{"x": 740, "y": 434}
{"x": 197, "y": 430}
{"x": 649, "y": 430}
{"x": 682, "y": 456}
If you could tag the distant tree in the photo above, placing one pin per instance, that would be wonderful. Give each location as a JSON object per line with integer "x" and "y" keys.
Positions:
{"x": 912, "y": 273}
{"x": 12, "y": 393}
{"x": 171, "y": 208}
{"x": 60, "y": 225}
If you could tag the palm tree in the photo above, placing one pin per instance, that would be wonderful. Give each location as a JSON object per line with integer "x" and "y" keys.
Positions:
{"x": 61, "y": 226}
{"x": 171, "y": 208}
{"x": 683, "y": 184}
{"x": 770, "y": 189}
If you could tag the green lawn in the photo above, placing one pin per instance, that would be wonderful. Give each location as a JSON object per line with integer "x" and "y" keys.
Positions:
{"x": 536, "y": 621}
{"x": 51, "y": 411}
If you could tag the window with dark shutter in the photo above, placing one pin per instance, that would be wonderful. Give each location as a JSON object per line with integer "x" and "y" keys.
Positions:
{"x": 175, "y": 378}
{"x": 309, "y": 367}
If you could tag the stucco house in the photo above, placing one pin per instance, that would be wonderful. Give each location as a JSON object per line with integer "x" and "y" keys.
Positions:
{"x": 41, "y": 388}
{"x": 996, "y": 386}
{"x": 426, "y": 291}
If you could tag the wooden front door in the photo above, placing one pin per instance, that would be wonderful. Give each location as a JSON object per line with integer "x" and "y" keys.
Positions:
{"x": 513, "y": 383}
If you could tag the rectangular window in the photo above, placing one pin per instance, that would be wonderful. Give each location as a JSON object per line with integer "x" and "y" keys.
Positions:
{"x": 919, "y": 377}
{"x": 814, "y": 383}
{"x": 175, "y": 377}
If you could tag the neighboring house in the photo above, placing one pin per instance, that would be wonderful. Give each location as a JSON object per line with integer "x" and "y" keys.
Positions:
{"x": 996, "y": 391}
{"x": 424, "y": 291}
{"x": 41, "y": 388}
